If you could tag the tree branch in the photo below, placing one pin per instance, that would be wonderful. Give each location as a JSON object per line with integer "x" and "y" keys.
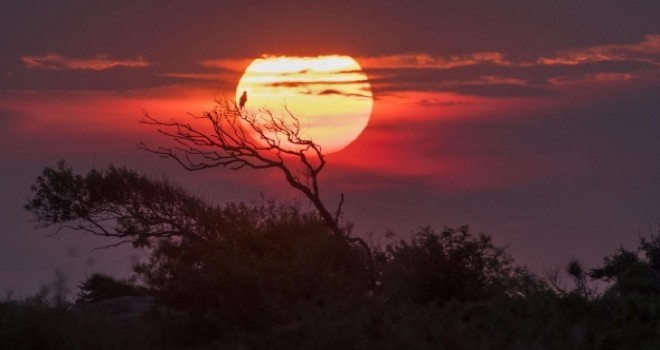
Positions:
{"x": 236, "y": 138}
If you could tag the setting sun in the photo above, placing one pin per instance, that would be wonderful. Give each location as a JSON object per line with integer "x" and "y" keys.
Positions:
{"x": 330, "y": 95}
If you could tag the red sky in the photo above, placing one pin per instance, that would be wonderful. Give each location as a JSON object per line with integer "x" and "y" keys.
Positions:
{"x": 535, "y": 123}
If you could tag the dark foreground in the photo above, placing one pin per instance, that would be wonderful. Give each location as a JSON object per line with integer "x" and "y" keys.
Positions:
{"x": 270, "y": 276}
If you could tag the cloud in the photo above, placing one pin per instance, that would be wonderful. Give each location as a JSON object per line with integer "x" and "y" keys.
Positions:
{"x": 435, "y": 103}
{"x": 471, "y": 83}
{"x": 503, "y": 90}
{"x": 425, "y": 61}
{"x": 53, "y": 61}
{"x": 485, "y": 73}
{"x": 117, "y": 79}
{"x": 228, "y": 64}
{"x": 599, "y": 77}
{"x": 647, "y": 51}
{"x": 340, "y": 93}
{"x": 297, "y": 84}
{"x": 497, "y": 74}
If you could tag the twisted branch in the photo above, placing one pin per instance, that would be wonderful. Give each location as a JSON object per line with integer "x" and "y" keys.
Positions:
{"x": 238, "y": 138}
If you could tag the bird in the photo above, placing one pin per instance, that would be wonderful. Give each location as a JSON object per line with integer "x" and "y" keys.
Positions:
{"x": 241, "y": 102}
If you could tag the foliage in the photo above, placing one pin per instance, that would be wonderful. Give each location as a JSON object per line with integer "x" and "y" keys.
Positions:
{"x": 437, "y": 268}
{"x": 43, "y": 323}
{"x": 234, "y": 267}
{"x": 100, "y": 287}
{"x": 615, "y": 264}
{"x": 118, "y": 202}
{"x": 268, "y": 261}
{"x": 633, "y": 272}
{"x": 271, "y": 275}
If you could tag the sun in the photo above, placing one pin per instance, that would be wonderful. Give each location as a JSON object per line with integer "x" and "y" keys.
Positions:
{"x": 330, "y": 95}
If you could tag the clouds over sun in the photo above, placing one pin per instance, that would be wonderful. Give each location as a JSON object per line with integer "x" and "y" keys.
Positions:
{"x": 491, "y": 74}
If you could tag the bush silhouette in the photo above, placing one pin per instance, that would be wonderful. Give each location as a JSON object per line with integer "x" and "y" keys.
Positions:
{"x": 100, "y": 287}
{"x": 265, "y": 264}
{"x": 440, "y": 267}
{"x": 633, "y": 272}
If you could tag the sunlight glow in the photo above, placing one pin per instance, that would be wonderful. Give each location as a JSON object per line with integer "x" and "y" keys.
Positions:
{"x": 330, "y": 95}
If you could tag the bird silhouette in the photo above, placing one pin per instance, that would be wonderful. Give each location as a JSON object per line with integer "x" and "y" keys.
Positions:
{"x": 243, "y": 100}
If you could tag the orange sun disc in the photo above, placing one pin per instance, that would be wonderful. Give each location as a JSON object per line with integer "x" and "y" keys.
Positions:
{"x": 329, "y": 95}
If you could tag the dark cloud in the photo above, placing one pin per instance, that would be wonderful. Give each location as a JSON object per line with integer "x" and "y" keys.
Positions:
{"x": 297, "y": 84}
{"x": 55, "y": 71}
{"x": 178, "y": 31}
{"x": 302, "y": 71}
{"x": 503, "y": 90}
{"x": 54, "y": 61}
{"x": 341, "y": 93}
{"x": 490, "y": 79}
{"x": 543, "y": 73}
{"x": 176, "y": 36}
{"x": 114, "y": 79}
{"x": 433, "y": 103}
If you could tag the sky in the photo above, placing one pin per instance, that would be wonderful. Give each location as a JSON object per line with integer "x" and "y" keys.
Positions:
{"x": 536, "y": 122}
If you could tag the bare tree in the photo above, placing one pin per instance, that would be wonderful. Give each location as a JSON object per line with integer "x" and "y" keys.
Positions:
{"x": 236, "y": 138}
{"x": 579, "y": 278}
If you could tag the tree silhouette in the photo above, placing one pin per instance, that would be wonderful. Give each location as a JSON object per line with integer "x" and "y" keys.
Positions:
{"x": 100, "y": 286}
{"x": 232, "y": 267}
{"x": 120, "y": 203}
{"x": 633, "y": 271}
{"x": 236, "y": 138}
{"x": 451, "y": 265}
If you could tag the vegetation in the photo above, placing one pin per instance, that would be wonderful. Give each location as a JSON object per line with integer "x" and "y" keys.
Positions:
{"x": 273, "y": 276}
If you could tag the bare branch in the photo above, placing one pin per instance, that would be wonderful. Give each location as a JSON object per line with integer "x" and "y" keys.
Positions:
{"x": 338, "y": 212}
{"x": 237, "y": 138}
{"x": 114, "y": 245}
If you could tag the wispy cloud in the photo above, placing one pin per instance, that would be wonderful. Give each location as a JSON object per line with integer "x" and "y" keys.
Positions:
{"x": 327, "y": 92}
{"x": 231, "y": 64}
{"x": 443, "y": 103}
{"x": 295, "y": 84}
{"x": 500, "y": 74}
{"x": 421, "y": 61}
{"x": 647, "y": 51}
{"x": 53, "y": 61}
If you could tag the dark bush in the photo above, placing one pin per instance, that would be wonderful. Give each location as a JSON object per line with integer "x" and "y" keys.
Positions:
{"x": 265, "y": 262}
{"x": 100, "y": 286}
{"x": 439, "y": 267}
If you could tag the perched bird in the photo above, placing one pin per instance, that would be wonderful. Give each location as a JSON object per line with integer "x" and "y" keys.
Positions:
{"x": 241, "y": 102}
